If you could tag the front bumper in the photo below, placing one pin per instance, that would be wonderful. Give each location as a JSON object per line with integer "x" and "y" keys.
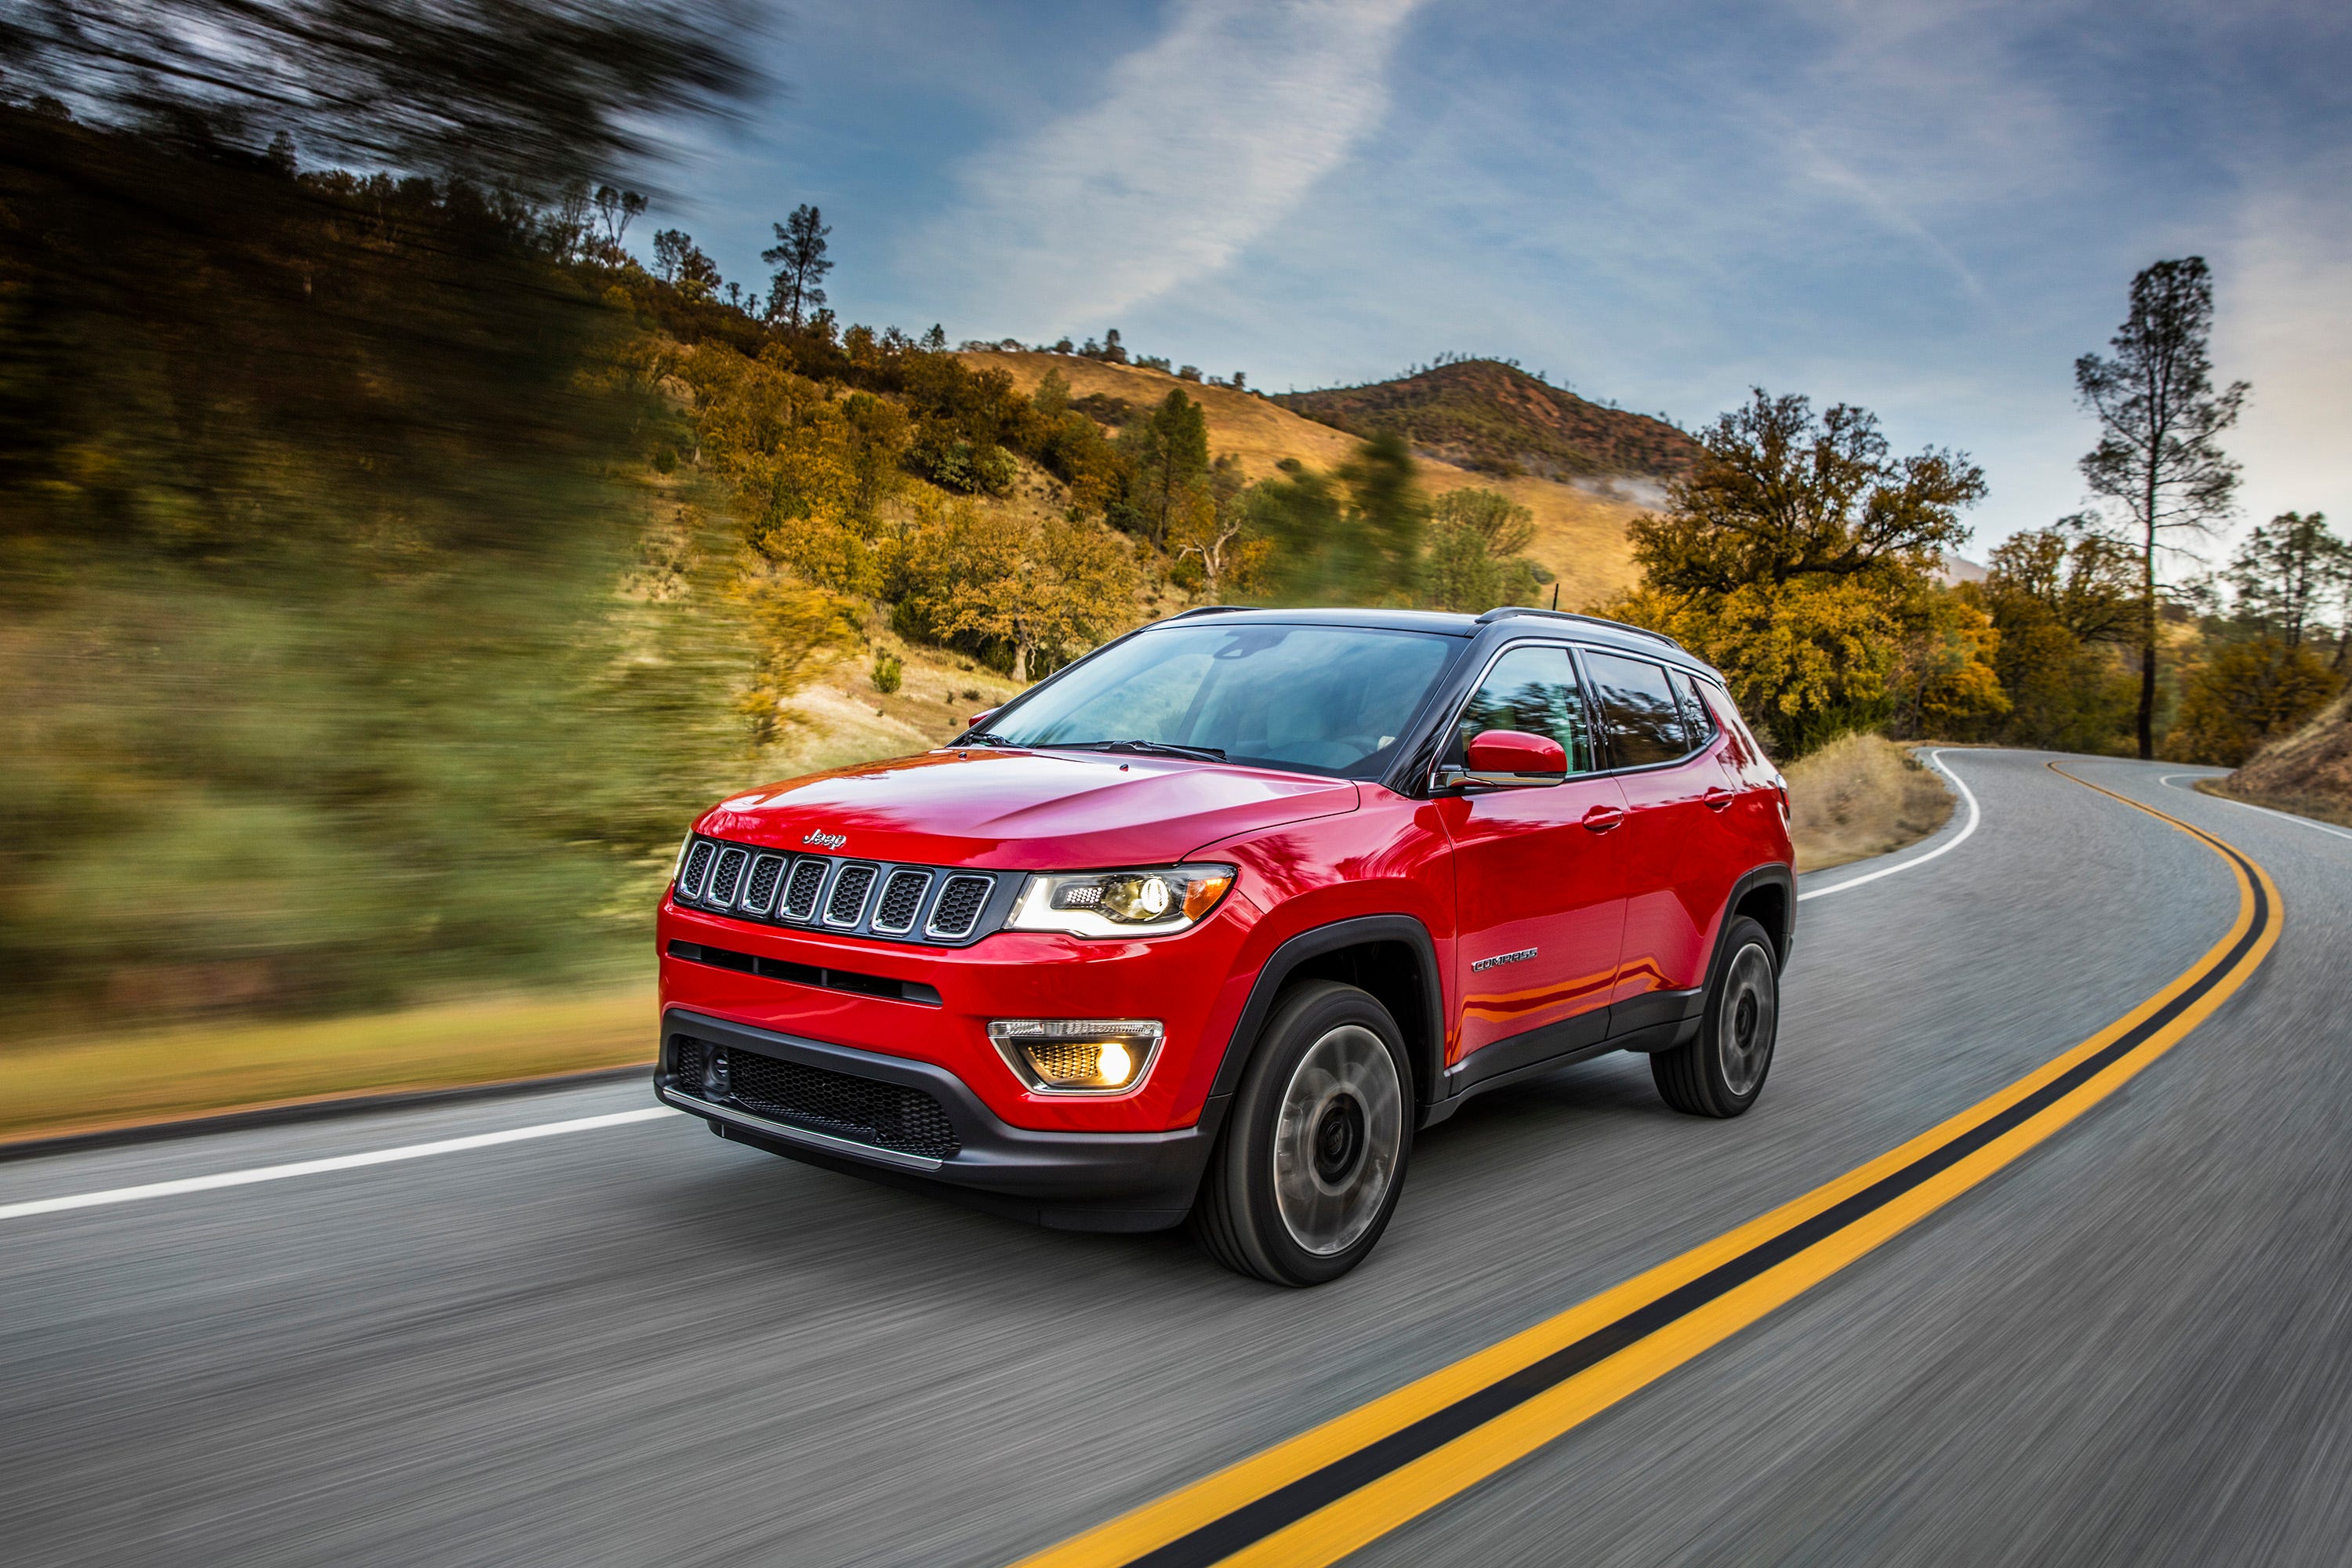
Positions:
{"x": 1073, "y": 1181}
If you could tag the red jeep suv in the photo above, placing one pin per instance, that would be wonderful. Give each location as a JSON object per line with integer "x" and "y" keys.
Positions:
{"x": 1210, "y": 923}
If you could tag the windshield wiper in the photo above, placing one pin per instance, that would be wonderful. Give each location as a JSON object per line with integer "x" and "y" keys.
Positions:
{"x": 986, "y": 737}
{"x": 1148, "y": 748}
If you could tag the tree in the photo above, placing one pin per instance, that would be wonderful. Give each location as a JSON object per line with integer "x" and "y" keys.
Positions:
{"x": 1796, "y": 557}
{"x": 678, "y": 260}
{"x": 1350, "y": 537}
{"x": 2159, "y": 456}
{"x": 936, "y": 340}
{"x": 1781, "y": 494}
{"x": 1215, "y": 533}
{"x": 1041, "y": 591}
{"x": 1169, "y": 449}
{"x": 616, "y": 209}
{"x": 798, "y": 256}
{"x": 1476, "y": 543}
{"x": 2244, "y": 694}
{"x": 2287, "y": 573}
{"x": 2072, "y": 575}
{"x": 2064, "y": 600}
{"x": 521, "y": 98}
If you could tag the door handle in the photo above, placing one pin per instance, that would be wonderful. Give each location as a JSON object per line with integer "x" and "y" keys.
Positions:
{"x": 1601, "y": 819}
{"x": 1717, "y": 797}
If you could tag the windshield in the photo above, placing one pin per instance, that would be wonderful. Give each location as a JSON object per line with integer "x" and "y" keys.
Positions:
{"x": 1321, "y": 699}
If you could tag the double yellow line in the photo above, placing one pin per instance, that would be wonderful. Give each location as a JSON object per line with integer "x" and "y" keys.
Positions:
{"x": 1325, "y": 1492}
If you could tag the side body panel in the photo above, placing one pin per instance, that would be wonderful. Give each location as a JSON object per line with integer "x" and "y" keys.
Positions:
{"x": 1542, "y": 904}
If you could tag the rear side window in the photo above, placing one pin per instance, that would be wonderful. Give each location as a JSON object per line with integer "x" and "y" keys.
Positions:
{"x": 1638, "y": 708}
{"x": 1698, "y": 724}
{"x": 1532, "y": 690}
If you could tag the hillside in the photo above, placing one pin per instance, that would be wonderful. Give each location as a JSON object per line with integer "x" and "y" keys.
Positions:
{"x": 1579, "y": 531}
{"x": 1494, "y": 418}
{"x": 2310, "y": 772}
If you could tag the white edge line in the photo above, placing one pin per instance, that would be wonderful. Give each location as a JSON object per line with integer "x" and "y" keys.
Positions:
{"x": 1935, "y": 760}
{"x": 337, "y": 1162}
{"x": 2250, "y": 806}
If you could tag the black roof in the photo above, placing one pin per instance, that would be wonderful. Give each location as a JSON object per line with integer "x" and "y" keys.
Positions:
{"x": 1502, "y": 622}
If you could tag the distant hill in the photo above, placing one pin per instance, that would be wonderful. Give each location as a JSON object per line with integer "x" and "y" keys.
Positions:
{"x": 1493, "y": 418}
{"x": 1580, "y": 527}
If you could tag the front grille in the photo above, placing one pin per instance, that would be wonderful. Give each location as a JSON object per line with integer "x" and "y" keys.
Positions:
{"x": 902, "y": 903}
{"x": 844, "y": 1105}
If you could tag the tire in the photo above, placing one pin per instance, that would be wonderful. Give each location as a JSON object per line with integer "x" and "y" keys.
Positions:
{"x": 1312, "y": 1157}
{"x": 1721, "y": 1072}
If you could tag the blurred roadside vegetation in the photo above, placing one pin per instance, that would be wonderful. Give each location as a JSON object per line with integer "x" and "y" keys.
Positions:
{"x": 390, "y": 563}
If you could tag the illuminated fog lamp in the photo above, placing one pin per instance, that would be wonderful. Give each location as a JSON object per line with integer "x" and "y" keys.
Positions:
{"x": 1077, "y": 1055}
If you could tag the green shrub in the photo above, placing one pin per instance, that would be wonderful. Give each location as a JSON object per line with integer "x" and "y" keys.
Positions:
{"x": 888, "y": 671}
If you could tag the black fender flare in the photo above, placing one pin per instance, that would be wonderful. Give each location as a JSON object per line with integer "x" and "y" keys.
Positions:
{"x": 1286, "y": 959}
{"x": 1784, "y": 940}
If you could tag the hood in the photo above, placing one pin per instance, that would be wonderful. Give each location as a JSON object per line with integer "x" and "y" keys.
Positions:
{"x": 1026, "y": 810}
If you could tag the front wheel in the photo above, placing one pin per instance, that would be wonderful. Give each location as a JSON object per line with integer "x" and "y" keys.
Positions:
{"x": 1721, "y": 1072}
{"x": 1308, "y": 1168}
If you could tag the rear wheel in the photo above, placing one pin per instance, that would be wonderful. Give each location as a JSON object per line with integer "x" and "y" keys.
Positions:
{"x": 1312, "y": 1157}
{"x": 1721, "y": 1072}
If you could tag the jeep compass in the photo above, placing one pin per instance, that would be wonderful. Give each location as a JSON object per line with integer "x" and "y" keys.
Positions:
{"x": 1205, "y": 927}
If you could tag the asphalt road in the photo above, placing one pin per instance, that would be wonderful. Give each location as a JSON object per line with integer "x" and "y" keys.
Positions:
{"x": 638, "y": 1344}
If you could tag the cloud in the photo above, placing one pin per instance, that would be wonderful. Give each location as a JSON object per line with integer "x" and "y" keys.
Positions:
{"x": 1202, "y": 140}
{"x": 2283, "y": 322}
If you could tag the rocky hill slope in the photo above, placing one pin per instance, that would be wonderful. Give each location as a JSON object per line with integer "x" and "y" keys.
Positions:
{"x": 1494, "y": 418}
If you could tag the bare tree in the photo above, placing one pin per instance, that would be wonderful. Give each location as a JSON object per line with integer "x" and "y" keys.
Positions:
{"x": 2159, "y": 455}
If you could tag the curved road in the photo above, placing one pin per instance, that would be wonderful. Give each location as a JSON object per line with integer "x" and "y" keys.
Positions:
{"x": 635, "y": 1343}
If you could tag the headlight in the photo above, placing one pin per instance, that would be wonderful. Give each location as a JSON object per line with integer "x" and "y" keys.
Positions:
{"x": 1077, "y": 1055}
{"x": 1150, "y": 902}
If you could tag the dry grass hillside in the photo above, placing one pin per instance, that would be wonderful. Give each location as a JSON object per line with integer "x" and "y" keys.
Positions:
{"x": 1861, "y": 795}
{"x": 2309, "y": 773}
{"x": 1580, "y": 533}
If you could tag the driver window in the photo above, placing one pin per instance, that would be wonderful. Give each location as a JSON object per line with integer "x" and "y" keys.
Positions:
{"x": 1532, "y": 690}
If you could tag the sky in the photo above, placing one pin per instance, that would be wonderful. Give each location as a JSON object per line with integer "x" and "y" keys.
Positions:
{"x": 1928, "y": 210}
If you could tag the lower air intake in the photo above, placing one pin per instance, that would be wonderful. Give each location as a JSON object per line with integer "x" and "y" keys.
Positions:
{"x": 840, "y": 1104}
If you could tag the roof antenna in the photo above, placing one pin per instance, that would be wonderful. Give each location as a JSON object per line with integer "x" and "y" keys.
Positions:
{"x": 1555, "y": 593}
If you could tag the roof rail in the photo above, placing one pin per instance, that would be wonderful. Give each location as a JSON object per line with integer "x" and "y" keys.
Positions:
{"x": 1208, "y": 610}
{"x": 1503, "y": 612}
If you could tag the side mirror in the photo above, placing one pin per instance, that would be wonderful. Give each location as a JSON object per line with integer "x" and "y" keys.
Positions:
{"x": 1511, "y": 759}
{"x": 982, "y": 717}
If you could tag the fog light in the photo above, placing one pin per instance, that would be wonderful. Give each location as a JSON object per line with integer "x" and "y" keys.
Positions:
{"x": 1077, "y": 1055}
